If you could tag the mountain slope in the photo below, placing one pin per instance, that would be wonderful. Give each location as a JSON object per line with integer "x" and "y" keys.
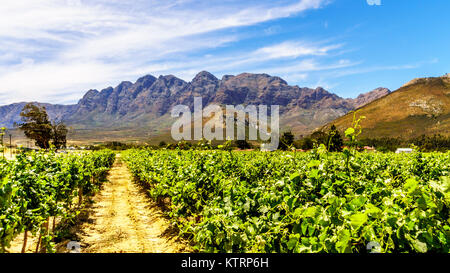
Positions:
{"x": 141, "y": 110}
{"x": 421, "y": 106}
{"x": 368, "y": 97}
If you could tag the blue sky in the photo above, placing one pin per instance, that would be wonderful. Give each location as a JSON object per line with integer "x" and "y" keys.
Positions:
{"x": 56, "y": 50}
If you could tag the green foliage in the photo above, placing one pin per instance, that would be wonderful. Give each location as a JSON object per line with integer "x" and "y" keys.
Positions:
{"x": 203, "y": 144}
{"x": 116, "y": 146}
{"x": 424, "y": 143}
{"x": 59, "y": 135}
{"x": 226, "y": 146}
{"x": 335, "y": 141}
{"x": 432, "y": 143}
{"x": 242, "y": 144}
{"x": 183, "y": 145}
{"x": 319, "y": 137}
{"x": 306, "y": 143}
{"x": 39, "y": 185}
{"x": 332, "y": 140}
{"x": 301, "y": 202}
{"x": 2, "y": 134}
{"x": 353, "y": 132}
{"x": 286, "y": 141}
{"x": 162, "y": 144}
{"x": 36, "y": 125}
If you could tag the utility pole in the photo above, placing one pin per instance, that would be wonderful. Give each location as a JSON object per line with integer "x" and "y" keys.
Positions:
{"x": 10, "y": 146}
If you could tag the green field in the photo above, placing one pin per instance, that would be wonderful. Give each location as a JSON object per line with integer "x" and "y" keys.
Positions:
{"x": 301, "y": 202}
{"x": 232, "y": 201}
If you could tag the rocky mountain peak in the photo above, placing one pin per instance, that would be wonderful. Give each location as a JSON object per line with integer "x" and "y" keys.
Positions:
{"x": 226, "y": 77}
{"x": 169, "y": 80}
{"x": 376, "y": 92}
{"x": 253, "y": 81}
{"x": 204, "y": 76}
{"x": 123, "y": 85}
{"x": 146, "y": 81}
{"x": 320, "y": 93}
{"x": 370, "y": 96}
{"x": 90, "y": 94}
{"x": 134, "y": 103}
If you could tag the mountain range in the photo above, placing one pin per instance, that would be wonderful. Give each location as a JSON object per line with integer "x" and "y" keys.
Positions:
{"x": 141, "y": 110}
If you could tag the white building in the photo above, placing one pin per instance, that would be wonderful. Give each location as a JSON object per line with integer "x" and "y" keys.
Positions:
{"x": 404, "y": 150}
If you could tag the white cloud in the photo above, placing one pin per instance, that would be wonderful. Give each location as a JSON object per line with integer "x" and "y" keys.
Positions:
{"x": 54, "y": 47}
{"x": 260, "y": 60}
{"x": 291, "y": 49}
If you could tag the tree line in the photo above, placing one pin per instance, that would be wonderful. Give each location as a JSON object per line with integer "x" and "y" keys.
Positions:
{"x": 334, "y": 141}
{"x": 36, "y": 125}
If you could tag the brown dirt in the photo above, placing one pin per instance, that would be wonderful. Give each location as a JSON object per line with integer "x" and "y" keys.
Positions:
{"x": 8, "y": 154}
{"x": 121, "y": 219}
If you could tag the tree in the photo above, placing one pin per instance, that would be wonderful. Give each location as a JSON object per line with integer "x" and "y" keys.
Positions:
{"x": 320, "y": 137}
{"x": 307, "y": 144}
{"x": 335, "y": 141}
{"x": 59, "y": 135}
{"x": 286, "y": 140}
{"x": 162, "y": 144}
{"x": 204, "y": 144}
{"x": 183, "y": 145}
{"x": 36, "y": 125}
{"x": 242, "y": 144}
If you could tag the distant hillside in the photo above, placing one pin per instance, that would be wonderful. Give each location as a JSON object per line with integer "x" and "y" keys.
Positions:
{"x": 141, "y": 110}
{"x": 421, "y": 106}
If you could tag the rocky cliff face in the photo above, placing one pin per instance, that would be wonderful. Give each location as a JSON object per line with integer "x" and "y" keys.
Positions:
{"x": 128, "y": 104}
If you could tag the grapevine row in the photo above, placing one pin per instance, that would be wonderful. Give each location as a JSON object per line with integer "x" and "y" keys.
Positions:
{"x": 301, "y": 202}
{"x": 39, "y": 185}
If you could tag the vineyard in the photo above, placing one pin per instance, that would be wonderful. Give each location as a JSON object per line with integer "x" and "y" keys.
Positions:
{"x": 226, "y": 201}
{"x": 37, "y": 187}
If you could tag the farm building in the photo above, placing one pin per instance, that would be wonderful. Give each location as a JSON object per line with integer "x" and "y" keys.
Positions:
{"x": 404, "y": 150}
{"x": 369, "y": 149}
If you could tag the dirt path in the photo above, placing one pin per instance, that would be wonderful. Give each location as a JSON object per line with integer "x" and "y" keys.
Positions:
{"x": 123, "y": 219}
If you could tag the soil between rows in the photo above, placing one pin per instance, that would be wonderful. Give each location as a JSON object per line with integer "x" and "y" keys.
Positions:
{"x": 121, "y": 218}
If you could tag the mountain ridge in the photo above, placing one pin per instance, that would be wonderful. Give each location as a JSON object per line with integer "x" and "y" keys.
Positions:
{"x": 142, "y": 108}
{"x": 420, "y": 107}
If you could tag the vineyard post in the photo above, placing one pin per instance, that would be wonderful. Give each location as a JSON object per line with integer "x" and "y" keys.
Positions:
{"x": 10, "y": 146}
{"x": 2, "y": 133}
{"x": 25, "y": 239}
{"x": 38, "y": 242}
{"x": 3, "y": 147}
{"x": 80, "y": 195}
{"x": 46, "y": 232}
